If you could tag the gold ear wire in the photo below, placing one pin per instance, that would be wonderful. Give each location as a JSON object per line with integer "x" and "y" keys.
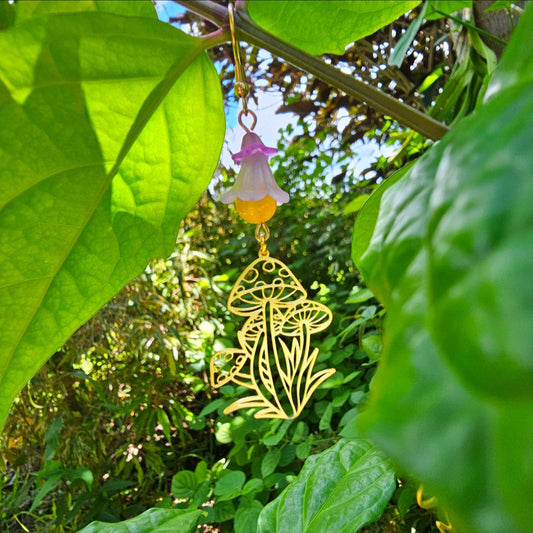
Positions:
{"x": 241, "y": 87}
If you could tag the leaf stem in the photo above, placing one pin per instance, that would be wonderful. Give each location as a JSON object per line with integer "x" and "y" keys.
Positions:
{"x": 248, "y": 31}
{"x": 471, "y": 26}
{"x": 215, "y": 38}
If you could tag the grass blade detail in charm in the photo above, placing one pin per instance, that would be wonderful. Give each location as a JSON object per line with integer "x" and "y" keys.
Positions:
{"x": 275, "y": 360}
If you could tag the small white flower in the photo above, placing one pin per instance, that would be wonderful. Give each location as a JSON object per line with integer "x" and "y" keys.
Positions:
{"x": 255, "y": 179}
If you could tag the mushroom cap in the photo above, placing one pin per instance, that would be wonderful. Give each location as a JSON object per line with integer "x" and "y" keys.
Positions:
{"x": 314, "y": 315}
{"x": 265, "y": 280}
{"x": 250, "y": 334}
{"x": 225, "y": 364}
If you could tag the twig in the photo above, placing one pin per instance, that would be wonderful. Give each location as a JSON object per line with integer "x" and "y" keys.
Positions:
{"x": 248, "y": 31}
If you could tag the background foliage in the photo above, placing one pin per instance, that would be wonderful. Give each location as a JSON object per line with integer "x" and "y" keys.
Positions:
{"x": 121, "y": 419}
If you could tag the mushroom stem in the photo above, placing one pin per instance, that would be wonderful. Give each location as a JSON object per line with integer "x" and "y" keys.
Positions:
{"x": 264, "y": 350}
{"x": 305, "y": 337}
{"x": 283, "y": 374}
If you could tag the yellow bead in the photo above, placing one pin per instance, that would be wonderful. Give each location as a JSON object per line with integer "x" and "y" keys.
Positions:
{"x": 256, "y": 211}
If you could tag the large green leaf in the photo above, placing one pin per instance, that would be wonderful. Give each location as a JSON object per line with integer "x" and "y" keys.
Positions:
{"x": 34, "y": 8}
{"x": 451, "y": 256}
{"x": 110, "y": 129}
{"x": 151, "y": 521}
{"x": 367, "y": 217}
{"x": 319, "y": 27}
{"x": 340, "y": 490}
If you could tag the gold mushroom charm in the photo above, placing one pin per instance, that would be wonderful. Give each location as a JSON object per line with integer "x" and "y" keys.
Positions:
{"x": 275, "y": 360}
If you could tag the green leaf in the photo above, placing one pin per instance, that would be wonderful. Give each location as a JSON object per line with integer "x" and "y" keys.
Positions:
{"x": 273, "y": 479}
{"x": 454, "y": 100}
{"x": 406, "y": 498}
{"x": 358, "y": 295}
{"x": 246, "y": 517}
{"x": 80, "y": 474}
{"x": 398, "y": 54}
{"x": 320, "y": 27}
{"x": 138, "y": 8}
{"x": 51, "y": 480}
{"x": 221, "y": 511}
{"x": 365, "y": 222}
{"x": 252, "y": 486}
{"x": 201, "y": 471}
{"x": 350, "y": 431}
{"x": 340, "y": 396}
{"x": 372, "y": 345}
{"x": 325, "y": 419}
{"x": 451, "y": 257}
{"x": 300, "y": 432}
{"x": 440, "y": 8}
{"x": 275, "y": 439}
{"x": 33, "y": 9}
{"x": 164, "y": 421}
{"x": 184, "y": 484}
{"x": 340, "y": 490}
{"x": 7, "y": 14}
{"x": 201, "y": 495}
{"x": 52, "y": 438}
{"x": 355, "y": 205}
{"x": 288, "y": 453}
{"x": 229, "y": 486}
{"x": 151, "y": 521}
{"x": 499, "y": 4}
{"x": 211, "y": 407}
{"x": 304, "y": 448}
{"x": 270, "y": 462}
{"x": 110, "y": 129}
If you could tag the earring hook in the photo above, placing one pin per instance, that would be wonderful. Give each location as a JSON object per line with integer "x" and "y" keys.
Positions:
{"x": 241, "y": 87}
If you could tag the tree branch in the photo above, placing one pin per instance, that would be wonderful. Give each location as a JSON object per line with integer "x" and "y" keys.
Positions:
{"x": 248, "y": 31}
{"x": 212, "y": 11}
{"x": 222, "y": 35}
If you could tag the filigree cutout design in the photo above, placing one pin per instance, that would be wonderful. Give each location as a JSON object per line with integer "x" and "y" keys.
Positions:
{"x": 275, "y": 360}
